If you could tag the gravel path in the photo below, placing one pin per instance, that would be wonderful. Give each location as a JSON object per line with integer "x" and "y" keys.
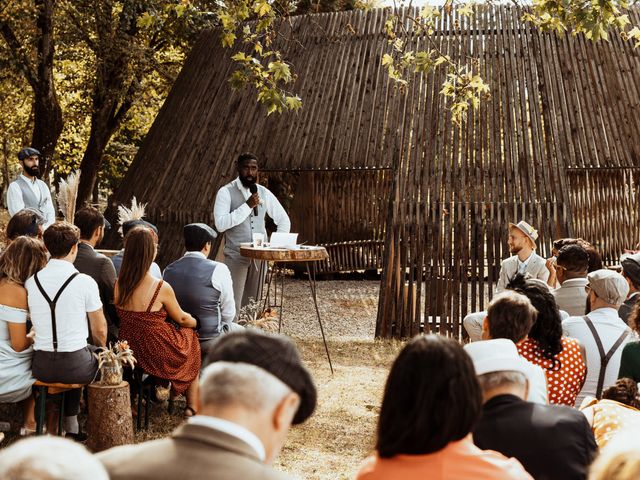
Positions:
{"x": 347, "y": 307}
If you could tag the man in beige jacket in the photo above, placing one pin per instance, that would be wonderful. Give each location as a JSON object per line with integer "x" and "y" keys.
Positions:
{"x": 253, "y": 391}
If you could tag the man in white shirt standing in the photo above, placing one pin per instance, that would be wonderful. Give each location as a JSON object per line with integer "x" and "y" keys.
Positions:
{"x": 60, "y": 301}
{"x": 601, "y": 331}
{"x": 239, "y": 213}
{"x": 27, "y": 191}
{"x": 203, "y": 287}
{"x": 524, "y": 260}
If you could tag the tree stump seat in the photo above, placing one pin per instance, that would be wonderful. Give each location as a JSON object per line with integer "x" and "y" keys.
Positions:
{"x": 110, "y": 423}
{"x": 43, "y": 389}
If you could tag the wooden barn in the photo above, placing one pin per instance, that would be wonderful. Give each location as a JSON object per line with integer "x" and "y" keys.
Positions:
{"x": 385, "y": 180}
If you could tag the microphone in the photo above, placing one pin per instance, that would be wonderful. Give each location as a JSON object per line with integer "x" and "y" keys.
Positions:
{"x": 253, "y": 188}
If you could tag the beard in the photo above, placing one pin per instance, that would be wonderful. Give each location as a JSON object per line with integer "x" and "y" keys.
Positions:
{"x": 33, "y": 171}
{"x": 248, "y": 181}
{"x": 515, "y": 249}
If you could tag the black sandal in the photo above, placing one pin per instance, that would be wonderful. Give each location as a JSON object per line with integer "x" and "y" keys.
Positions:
{"x": 191, "y": 412}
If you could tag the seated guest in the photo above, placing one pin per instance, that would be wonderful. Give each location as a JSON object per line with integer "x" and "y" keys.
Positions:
{"x": 617, "y": 411}
{"x": 203, "y": 287}
{"x": 562, "y": 358}
{"x": 601, "y": 331}
{"x": 255, "y": 389}
{"x": 524, "y": 261}
{"x": 169, "y": 351}
{"x": 60, "y": 300}
{"x": 21, "y": 259}
{"x": 631, "y": 273}
{"x": 571, "y": 269}
{"x": 26, "y": 222}
{"x": 551, "y": 442}
{"x": 49, "y": 458}
{"x": 630, "y": 358}
{"x": 511, "y": 316}
{"x": 92, "y": 225}
{"x": 431, "y": 403}
{"x": 595, "y": 259}
{"x": 619, "y": 460}
{"x": 126, "y": 228}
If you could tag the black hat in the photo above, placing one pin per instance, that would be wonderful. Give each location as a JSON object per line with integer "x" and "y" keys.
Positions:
{"x": 197, "y": 233}
{"x": 277, "y": 355}
{"x": 27, "y": 152}
{"x": 129, "y": 224}
{"x": 631, "y": 267}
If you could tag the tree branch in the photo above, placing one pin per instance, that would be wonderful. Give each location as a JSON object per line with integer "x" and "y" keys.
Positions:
{"x": 18, "y": 53}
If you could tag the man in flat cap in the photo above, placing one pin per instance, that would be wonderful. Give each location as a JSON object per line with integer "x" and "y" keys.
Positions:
{"x": 126, "y": 228}
{"x": 253, "y": 391}
{"x": 239, "y": 211}
{"x": 631, "y": 272}
{"x": 203, "y": 287}
{"x": 523, "y": 260}
{"x": 602, "y": 332}
{"x": 27, "y": 191}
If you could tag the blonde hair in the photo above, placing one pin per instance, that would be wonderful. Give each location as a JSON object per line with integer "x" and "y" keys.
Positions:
{"x": 22, "y": 258}
{"x": 619, "y": 460}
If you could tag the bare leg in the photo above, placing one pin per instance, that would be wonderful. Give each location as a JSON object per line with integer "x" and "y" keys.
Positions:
{"x": 193, "y": 394}
{"x": 28, "y": 413}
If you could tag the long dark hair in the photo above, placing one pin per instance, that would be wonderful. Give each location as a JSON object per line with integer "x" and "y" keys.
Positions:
{"x": 547, "y": 328}
{"x": 432, "y": 397}
{"x": 139, "y": 252}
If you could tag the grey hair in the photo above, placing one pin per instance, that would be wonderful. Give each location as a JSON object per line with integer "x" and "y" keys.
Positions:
{"x": 49, "y": 458}
{"x": 253, "y": 388}
{"x": 492, "y": 380}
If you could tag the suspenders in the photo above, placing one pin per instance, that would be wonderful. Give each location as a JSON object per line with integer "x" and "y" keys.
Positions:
{"x": 604, "y": 357}
{"x": 52, "y": 305}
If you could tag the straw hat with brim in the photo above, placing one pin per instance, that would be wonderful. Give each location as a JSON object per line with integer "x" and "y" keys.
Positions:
{"x": 530, "y": 232}
{"x": 499, "y": 355}
{"x": 277, "y": 355}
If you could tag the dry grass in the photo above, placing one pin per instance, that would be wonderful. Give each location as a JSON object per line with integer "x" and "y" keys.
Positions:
{"x": 340, "y": 434}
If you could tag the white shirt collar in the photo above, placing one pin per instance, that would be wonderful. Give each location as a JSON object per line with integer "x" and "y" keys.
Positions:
{"x": 232, "y": 429}
{"x": 240, "y": 185}
{"x": 28, "y": 180}
{"x": 526, "y": 262}
{"x": 195, "y": 254}
{"x": 60, "y": 264}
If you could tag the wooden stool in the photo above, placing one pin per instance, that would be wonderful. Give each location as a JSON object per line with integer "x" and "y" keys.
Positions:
{"x": 44, "y": 388}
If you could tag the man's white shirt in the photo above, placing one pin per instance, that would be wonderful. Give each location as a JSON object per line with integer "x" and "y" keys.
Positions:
{"x": 226, "y": 219}
{"x": 233, "y": 429}
{"x": 15, "y": 202}
{"x": 221, "y": 281}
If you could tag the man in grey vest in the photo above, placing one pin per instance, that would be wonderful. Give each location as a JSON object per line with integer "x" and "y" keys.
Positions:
{"x": 203, "y": 287}
{"x": 239, "y": 214}
{"x": 27, "y": 191}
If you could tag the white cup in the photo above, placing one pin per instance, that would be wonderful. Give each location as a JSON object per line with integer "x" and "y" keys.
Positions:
{"x": 258, "y": 239}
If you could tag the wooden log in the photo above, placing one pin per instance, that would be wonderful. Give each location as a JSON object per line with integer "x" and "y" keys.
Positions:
{"x": 110, "y": 422}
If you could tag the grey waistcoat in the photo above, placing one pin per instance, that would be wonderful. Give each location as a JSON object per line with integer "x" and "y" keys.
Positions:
{"x": 190, "y": 278}
{"x": 28, "y": 197}
{"x": 242, "y": 233}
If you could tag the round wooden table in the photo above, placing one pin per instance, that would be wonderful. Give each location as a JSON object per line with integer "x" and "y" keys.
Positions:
{"x": 308, "y": 255}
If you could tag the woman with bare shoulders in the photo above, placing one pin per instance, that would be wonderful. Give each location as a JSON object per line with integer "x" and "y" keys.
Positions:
{"x": 19, "y": 261}
{"x": 144, "y": 303}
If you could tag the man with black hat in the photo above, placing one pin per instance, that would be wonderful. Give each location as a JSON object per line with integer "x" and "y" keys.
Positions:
{"x": 253, "y": 391}
{"x": 27, "y": 191}
{"x": 239, "y": 212}
{"x": 126, "y": 228}
{"x": 203, "y": 287}
{"x": 631, "y": 272}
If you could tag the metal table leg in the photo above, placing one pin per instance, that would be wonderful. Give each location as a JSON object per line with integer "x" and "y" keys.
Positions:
{"x": 311, "y": 272}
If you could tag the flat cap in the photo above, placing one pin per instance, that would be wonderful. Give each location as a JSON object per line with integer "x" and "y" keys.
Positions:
{"x": 631, "y": 267}
{"x": 198, "y": 232}
{"x": 28, "y": 152}
{"x": 277, "y": 355}
{"x": 610, "y": 286}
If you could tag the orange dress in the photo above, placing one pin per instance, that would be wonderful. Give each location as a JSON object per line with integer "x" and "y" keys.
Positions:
{"x": 160, "y": 349}
{"x": 565, "y": 376}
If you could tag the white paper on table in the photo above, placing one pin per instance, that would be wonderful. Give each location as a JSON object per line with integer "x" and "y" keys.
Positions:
{"x": 283, "y": 240}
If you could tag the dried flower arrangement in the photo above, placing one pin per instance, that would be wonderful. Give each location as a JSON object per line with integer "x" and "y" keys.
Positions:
{"x": 136, "y": 212}
{"x": 111, "y": 360}
{"x": 252, "y": 315}
{"x": 67, "y": 195}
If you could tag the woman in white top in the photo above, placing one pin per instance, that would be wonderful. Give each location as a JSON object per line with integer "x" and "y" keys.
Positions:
{"x": 21, "y": 259}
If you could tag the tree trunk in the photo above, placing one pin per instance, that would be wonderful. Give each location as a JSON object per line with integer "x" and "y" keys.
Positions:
{"x": 92, "y": 159}
{"x": 48, "y": 123}
{"x": 109, "y": 422}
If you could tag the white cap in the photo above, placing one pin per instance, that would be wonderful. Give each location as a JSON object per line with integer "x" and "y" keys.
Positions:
{"x": 498, "y": 355}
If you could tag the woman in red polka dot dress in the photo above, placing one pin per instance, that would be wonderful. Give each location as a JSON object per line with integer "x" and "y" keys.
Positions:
{"x": 561, "y": 358}
{"x": 143, "y": 304}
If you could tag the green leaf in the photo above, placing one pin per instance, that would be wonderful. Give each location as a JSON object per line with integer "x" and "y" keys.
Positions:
{"x": 280, "y": 71}
{"x": 293, "y": 103}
